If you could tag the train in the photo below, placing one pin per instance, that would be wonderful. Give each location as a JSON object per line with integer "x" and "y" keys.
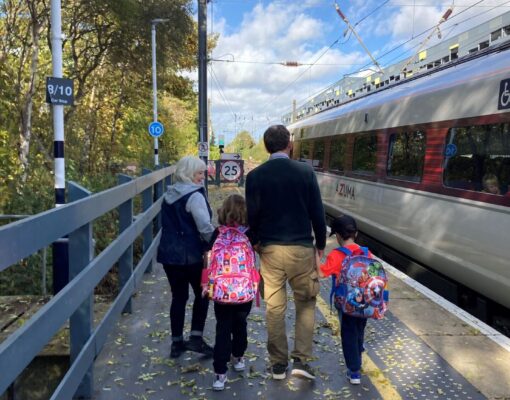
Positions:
{"x": 423, "y": 165}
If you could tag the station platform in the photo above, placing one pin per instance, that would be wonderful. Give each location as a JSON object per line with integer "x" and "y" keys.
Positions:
{"x": 422, "y": 349}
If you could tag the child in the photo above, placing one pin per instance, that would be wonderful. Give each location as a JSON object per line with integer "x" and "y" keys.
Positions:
{"x": 352, "y": 328}
{"x": 491, "y": 184}
{"x": 231, "y": 332}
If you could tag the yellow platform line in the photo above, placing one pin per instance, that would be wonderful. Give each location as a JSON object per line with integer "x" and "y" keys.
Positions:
{"x": 376, "y": 376}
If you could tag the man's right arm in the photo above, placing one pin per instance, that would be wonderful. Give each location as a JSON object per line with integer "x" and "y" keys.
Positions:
{"x": 317, "y": 215}
{"x": 253, "y": 207}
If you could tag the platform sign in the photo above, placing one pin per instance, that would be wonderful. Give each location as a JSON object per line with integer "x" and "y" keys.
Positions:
{"x": 203, "y": 149}
{"x": 230, "y": 156}
{"x": 156, "y": 129}
{"x": 231, "y": 170}
{"x": 59, "y": 91}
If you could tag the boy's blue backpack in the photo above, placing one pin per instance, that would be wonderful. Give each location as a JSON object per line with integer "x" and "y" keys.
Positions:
{"x": 360, "y": 290}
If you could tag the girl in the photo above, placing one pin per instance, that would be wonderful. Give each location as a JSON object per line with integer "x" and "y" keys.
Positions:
{"x": 231, "y": 315}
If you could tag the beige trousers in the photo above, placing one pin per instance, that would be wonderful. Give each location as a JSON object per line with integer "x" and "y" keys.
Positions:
{"x": 295, "y": 264}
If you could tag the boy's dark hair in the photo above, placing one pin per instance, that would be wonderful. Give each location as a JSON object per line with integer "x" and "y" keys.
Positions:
{"x": 345, "y": 226}
{"x": 233, "y": 211}
{"x": 276, "y": 138}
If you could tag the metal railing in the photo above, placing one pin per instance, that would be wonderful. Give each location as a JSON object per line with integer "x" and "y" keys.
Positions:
{"x": 75, "y": 301}
{"x": 43, "y": 251}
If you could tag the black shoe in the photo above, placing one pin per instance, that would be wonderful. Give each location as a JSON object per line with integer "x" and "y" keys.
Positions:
{"x": 279, "y": 371}
{"x": 177, "y": 348}
{"x": 197, "y": 344}
{"x": 302, "y": 369}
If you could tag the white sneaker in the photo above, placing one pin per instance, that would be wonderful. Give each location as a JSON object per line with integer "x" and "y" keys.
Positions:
{"x": 238, "y": 363}
{"x": 219, "y": 381}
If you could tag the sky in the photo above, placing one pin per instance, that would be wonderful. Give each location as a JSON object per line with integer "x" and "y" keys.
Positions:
{"x": 250, "y": 90}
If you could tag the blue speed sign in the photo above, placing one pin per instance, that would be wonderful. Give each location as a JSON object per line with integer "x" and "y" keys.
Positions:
{"x": 156, "y": 129}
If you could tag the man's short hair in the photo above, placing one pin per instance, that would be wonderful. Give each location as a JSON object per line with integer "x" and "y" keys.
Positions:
{"x": 276, "y": 138}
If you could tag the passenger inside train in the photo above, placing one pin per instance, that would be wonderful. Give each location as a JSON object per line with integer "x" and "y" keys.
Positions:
{"x": 491, "y": 184}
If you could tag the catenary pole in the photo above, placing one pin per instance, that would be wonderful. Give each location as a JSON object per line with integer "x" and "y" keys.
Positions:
{"x": 202, "y": 76}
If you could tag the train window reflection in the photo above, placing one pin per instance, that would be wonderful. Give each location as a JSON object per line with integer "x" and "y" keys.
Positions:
{"x": 364, "y": 156}
{"x": 476, "y": 155}
{"x": 318, "y": 154}
{"x": 312, "y": 152}
{"x": 305, "y": 150}
{"x": 406, "y": 155}
{"x": 337, "y": 154}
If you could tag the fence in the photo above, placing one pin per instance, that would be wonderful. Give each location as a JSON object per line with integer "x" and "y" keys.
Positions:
{"x": 75, "y": 301}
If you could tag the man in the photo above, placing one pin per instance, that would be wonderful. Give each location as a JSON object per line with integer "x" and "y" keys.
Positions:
{"x": 284, "y": 203}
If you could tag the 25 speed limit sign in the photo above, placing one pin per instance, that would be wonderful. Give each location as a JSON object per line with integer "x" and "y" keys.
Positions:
{"x": 231, "y": 170}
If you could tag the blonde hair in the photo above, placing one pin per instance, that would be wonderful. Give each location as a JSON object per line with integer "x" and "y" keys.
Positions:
{"x": 186, "y": 167}
{"x": 490, "y": 178}
{"x": 233, "y": 211}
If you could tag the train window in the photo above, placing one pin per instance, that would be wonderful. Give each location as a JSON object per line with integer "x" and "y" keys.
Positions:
{"x": 305, "y": 151}
{"x": 364, "y": 156}
{"x": 477, "y": 157}
{"x": 337, "y": 154}
{"x": 318, "y": 154}
{"x": 406, "y": 156}
{"x": 484, "y": 45}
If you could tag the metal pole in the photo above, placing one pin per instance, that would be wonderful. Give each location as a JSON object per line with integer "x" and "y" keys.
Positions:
{"x": 58, "y": 110}
{"x": 154, "y": 92}
{"x": 202, "y": 76}
{"x": 60, "y": 254}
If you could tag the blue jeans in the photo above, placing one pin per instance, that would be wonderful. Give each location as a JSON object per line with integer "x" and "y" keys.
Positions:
{"x": 353, "y": 333}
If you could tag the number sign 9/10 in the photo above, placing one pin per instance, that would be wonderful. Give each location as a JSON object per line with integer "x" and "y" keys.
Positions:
{"x": 59, "y": 91}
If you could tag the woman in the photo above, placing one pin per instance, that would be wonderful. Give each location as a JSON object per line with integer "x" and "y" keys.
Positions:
{"x": 187, "y": 230}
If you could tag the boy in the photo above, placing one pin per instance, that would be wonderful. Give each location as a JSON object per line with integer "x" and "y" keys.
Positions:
{"x": 352, "y": 328}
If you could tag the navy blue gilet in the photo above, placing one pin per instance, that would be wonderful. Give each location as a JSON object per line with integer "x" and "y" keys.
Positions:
{"x": 181, "y": 243}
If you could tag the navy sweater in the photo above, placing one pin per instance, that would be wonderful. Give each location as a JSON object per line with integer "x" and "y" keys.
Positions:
{"x": 284, "y": 204}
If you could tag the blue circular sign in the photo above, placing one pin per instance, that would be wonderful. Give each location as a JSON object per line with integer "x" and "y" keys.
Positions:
{"x": 156, "y": 129}
{"x": 450, "y": 150}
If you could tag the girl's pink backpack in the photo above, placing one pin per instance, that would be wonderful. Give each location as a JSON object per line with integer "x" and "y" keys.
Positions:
{"x": 231, "y": 277}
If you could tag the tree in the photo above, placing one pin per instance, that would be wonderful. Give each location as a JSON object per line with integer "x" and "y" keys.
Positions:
{"x": 241, "y": 143}
{"x": 107, "y": 53}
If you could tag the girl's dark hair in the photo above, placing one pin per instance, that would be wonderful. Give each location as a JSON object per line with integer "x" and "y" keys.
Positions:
{"x": 233, "y": 211}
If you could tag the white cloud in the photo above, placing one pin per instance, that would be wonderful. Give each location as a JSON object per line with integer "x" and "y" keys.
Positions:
{"x": 272, "y": 33}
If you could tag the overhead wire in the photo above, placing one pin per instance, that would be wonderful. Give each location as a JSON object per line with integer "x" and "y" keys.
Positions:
{"x": 397, "y": 47}
{"x": 213, "y": 74}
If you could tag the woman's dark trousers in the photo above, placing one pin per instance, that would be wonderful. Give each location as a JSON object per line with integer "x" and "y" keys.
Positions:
{"x": 231, "y": 333}
{"x": 180, "y": 277}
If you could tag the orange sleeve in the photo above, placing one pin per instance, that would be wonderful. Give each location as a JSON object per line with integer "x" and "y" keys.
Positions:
{"x": 333, "y": 263}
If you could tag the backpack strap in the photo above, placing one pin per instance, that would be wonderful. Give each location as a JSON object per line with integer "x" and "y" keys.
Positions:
{"x": 344, "y": 250}
{"x": 348, "y": 252}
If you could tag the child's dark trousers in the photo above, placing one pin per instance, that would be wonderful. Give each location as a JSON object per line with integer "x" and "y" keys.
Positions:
{"x": 231, "y": 333}
{"x": 353, "y": 333}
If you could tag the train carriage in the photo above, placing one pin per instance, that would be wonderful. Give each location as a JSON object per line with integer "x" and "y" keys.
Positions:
{"x": 409, "y": 163}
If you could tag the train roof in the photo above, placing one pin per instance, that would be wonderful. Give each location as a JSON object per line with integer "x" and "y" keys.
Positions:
{"x": 467, "y": 88}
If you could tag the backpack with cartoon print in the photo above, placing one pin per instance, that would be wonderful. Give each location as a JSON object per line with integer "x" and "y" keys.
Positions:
{"x": 231, "y": 277}
{"x": 360, "y": 290}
